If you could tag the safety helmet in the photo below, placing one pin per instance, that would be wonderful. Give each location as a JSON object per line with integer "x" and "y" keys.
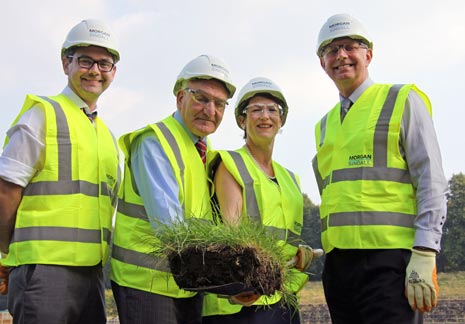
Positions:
{"x": 205, "y": 67}
{"x": 342, "y": 25}
{"x": 257, "y": 86}
{"x": 92, "y": 32}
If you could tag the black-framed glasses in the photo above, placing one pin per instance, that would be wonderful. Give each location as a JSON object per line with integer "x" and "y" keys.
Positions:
{"x": 87, "y": 63}
{"x": 203, "y": 98}
{"x": 332, "y": 50}
{"x": 258, "y": 109}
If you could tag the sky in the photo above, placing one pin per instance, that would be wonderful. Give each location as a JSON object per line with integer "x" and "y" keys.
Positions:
{"x": 415, "y": 41}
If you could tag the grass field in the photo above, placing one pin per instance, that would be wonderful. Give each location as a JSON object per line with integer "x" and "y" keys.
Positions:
{"x": 451, "y": 286}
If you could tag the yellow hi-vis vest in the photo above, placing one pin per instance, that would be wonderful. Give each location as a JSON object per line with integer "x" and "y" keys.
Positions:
{"x": 131, "y": 263}
{"x": 278, "y": 208}
{"x": 65, "y": 215}
{"x": 368, "y": 200}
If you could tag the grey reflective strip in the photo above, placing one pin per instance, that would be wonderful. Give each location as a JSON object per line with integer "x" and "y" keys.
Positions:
{"x": 294, "y": 178}
{"x": 114, "y": 194}
{"x": 53, "y": 233}
{"x": 106, "y": 235}
{"x": 293, "y": 239}
{"x": 280, "y": 234}
{"x": 144, "y": 260}
{"x": 64, "y": 187}
{"x": 63, "y": 141}
{"x": 379, "y": 171}
{"x": 127, "y": 145}
{"x": 323, "y": 129}
{"x": 374, "y": 173}
{"x": 176, "y": 150}
{"x": 368, "y": 218}
{"x": 253, "y": 211}
{"x": 132, "y": 210}
{"x": 319, "y": 179}
{"x": 382, "y": 128}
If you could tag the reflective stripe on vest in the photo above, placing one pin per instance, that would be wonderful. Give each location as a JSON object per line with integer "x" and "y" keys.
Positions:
{"x": 138, "y": 211}
{"x": 252, "y": 204}
{"x": 133, "y": 264}
{"x": 140, "y": 259}
{"x": 176, "y": 151}
{"x": 379, "y": 171}
{"x": 54, "y": 233}
{"x": 63, "y": 186}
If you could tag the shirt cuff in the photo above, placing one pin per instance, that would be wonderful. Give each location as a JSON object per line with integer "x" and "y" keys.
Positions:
{"x": 428, "y": 239}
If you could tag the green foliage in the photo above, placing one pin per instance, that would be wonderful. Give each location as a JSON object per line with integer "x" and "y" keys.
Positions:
{"x": 452, "y": 256}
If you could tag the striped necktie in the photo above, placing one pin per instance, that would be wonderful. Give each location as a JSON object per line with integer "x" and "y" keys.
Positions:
{"x": 345, "y": 105}
{"x": 202, "y": 148}
{"x": 91, "y": 116}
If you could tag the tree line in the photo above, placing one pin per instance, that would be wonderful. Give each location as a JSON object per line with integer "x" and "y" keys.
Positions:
{"x": 452, "y": 255}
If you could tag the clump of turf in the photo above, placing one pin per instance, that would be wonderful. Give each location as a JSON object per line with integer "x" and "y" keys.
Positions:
{"x": 202, "y": 255}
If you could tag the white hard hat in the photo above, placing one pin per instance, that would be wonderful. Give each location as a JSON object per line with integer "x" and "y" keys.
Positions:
{"x": 205, "y": 67}
{"x": 257, "y": 86}
{"x": 342, "y": 25}
{"x": 92, "y": 32}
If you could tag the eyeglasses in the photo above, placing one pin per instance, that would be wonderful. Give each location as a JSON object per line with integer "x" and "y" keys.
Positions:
{"x": 258, "y": 109}
{"x": 203, "y": 98}
{"x": 332, "y": 50}
{"x": 87, "y": 63}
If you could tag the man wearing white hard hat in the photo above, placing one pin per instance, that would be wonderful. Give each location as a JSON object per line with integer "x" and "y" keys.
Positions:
{"x": 59, "y": 177}
{"x": 382, "y": 186}
{"x": 165, "y": 180}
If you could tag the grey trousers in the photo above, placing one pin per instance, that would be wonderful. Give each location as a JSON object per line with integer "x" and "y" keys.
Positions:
{"x": 51, "y": 294}
{"x": 141, "y": 307}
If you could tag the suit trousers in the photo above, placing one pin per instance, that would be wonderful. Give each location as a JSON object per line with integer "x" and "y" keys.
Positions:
{"x": 54, "y": 294}
{"x": 269, "y": 314}
{"x": 142, "y": 307}
{"x": 368, "y": 287}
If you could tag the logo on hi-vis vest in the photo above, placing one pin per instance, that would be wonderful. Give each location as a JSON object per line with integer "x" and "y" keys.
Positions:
{"x": 360, "y": 159}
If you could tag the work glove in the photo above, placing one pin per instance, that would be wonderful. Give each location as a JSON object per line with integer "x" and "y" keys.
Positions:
{"x": 421, "y": 281}
{"x": 244, "y": 299}
{"x": 4, "y": 273}
{"x": 305, "y": 254}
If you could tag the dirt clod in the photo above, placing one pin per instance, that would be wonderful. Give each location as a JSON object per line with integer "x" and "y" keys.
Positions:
{"x": 199, "y": 267}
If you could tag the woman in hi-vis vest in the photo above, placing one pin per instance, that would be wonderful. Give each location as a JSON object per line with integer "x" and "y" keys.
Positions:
{"x": 248, "y": 183}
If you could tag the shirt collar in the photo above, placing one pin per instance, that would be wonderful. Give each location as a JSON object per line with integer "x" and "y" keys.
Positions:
{"x": 68, "y": 92}
{"x": 358, "y": 92}
{"x": 178, "y": 117}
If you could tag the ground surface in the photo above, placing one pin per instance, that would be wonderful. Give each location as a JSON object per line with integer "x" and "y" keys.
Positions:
{"x": 215, "y": 265}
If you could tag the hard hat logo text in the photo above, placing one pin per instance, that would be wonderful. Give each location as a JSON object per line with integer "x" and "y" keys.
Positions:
{"x": 339, "y": 26}
{"x": 99, "y": 34}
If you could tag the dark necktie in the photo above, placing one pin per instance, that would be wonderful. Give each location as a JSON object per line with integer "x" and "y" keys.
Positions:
{"x": 345, "y": 105}
{"x": 91, "y": 116}
{"x": 202, "y": 148}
